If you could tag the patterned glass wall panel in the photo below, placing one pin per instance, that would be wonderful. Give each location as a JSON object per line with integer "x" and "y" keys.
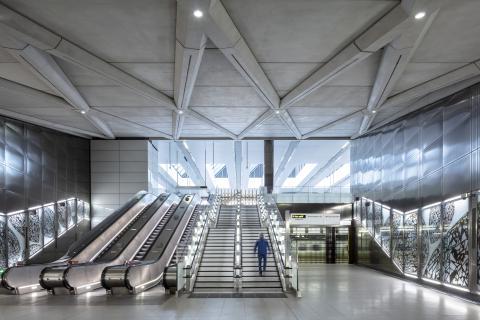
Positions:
{"x": 385, "y": 229}
{"x": 3, "y": 243}
{"x": 397, "y": 238}
{"x": 377, "y": 221}
{"x": 431, "y": 228}
{"x": 16, "y": 224}
{"x": 80, "y": 210}
{"x": 410, "y": 252}
{"x": 35, "y": 235}
{"x": 48, "y": 224}
{"x": 455, "y": 242}
{"x": 62, "y": 217}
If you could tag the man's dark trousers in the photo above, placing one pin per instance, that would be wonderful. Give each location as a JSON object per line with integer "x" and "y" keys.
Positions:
{"x": 262, "y": 258}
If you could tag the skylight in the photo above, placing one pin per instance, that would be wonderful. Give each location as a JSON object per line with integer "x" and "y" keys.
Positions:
{"x": 298, "y": 174}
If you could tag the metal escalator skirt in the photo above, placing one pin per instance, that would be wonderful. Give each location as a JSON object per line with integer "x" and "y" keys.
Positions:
{"x": 77, "y": 279}
{"x": 148, "y": 273}
{"x": 25, "y": 279}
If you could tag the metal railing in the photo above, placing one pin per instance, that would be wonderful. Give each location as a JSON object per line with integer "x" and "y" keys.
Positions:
{"x": 189, "y": 261}
{"x": 280, "y": 243}
{"x": 26, "y": 233}
{"x": 312, "y": 195}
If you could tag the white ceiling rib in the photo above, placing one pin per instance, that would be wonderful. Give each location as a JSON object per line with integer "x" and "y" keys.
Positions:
{"x": 270, "y": 69}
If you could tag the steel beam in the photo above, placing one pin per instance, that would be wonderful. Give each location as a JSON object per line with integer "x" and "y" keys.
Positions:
{"x": 395, "y": 59}
{"x": 25, "y": 30}
{"x": 46, "y": 69}
{"x": 47, "y": 124}
{"x": 280, "y": 176}
{"x": 189, "y": 49}
{"x": 256, "y": 123}
{"x": 194, "y": 171}
{"x": 333, "y": 123}
{"x": 317, "y": 172}
{"x": 238, "y": 164}
{"x": 374, "y": 38}
{"x": 204, "y": 119}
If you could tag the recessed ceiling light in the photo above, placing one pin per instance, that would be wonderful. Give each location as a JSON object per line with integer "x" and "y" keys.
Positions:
{"x": 374, "y": 111}
{"x": 198, "y": 13}
{"x": 83, "y": 112}
{"x": 277, "y": 111}
{"x": 420, "y": 15}
{"x": 180, "y": 111}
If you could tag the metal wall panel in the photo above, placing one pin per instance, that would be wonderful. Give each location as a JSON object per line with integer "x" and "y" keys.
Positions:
{"x": 425, "y": 157}
{"x": 39, "y": 165}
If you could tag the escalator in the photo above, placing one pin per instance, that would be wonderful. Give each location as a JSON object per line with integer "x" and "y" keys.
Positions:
{"x": 83, "y": 277}
{"x": 24, "y": 279}
{"x": 147, "y": 266}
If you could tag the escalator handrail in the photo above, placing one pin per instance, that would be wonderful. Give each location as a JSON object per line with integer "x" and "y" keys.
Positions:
{"x": 160, "y": 200}
{"x": 78, "y": 246}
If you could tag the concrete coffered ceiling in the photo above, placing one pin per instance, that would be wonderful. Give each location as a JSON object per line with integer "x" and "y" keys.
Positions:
{"x": 245, "y": 69}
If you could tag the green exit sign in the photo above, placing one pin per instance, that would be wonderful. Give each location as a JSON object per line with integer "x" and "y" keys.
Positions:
{"x": 1, "y": 271}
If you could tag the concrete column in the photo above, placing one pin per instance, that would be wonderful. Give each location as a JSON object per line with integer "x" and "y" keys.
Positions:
{"x": 268, "y": 165}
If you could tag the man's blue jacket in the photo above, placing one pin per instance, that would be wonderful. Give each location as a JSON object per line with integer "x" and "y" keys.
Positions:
{"x": 262, "y": 246}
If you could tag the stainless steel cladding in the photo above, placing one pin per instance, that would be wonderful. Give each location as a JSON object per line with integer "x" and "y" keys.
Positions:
{"x": 422, "y": 158}
{"x": 148, "y": 272}
{"x": 25, "y": 279}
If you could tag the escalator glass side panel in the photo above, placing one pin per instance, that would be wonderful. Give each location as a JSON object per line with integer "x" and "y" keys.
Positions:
{"x": 102, "y": 226}
{"x": 123, "y": 239}
{"x": 158, "y": 247}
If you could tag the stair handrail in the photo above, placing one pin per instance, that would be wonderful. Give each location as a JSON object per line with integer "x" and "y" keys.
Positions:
{"x": 273, "y": 220}
{"x": 195, "y": 250}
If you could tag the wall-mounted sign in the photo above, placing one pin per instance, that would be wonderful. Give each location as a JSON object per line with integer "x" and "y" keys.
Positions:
{"x": 319, "y": 219}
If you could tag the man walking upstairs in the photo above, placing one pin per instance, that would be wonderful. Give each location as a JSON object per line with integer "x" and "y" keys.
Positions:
{"x": 261, "y": 246}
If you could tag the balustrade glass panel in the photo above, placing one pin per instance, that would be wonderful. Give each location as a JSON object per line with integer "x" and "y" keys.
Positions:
{"x": 410, "y": 252}
{"x": 363, "y": 212}
{"x": 377, "y": 221}
{"x": 370, "y": 217}
{"x": 431, "y": 238}
{"x": 385, "y": 231}
{"x": 455, "y": 242}
{"x": 62, "y": 217}
{"x": 71, "y": 213}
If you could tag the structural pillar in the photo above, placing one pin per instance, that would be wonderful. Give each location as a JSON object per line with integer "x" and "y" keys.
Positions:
{"x": 268, "y": 165}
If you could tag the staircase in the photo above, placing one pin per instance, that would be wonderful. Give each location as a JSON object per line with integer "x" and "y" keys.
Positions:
{"x": 215, "y": 273}
{"x": 251, "y": 279}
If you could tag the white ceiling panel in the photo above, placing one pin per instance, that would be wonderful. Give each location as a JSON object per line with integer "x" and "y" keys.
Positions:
{"x": 115, "y": 30}
{"x": 235, "y": 119}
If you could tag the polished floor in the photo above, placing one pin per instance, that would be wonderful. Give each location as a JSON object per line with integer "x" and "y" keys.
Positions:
{"x": 328, "y": 292}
